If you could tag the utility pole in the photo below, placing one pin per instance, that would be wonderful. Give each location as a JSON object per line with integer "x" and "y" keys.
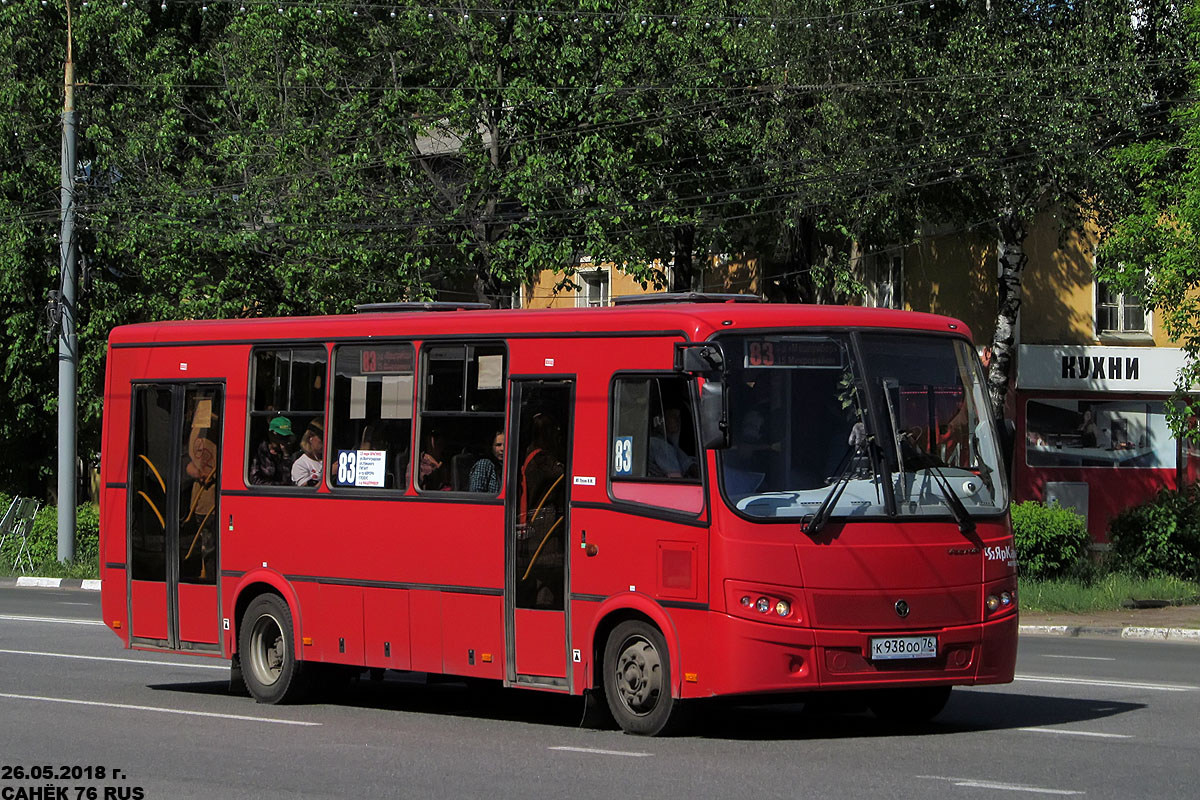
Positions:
{"x": 67, "y": 345}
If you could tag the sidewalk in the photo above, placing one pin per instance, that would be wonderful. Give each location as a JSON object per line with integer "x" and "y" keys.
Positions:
{"x": 1174, "y": 623}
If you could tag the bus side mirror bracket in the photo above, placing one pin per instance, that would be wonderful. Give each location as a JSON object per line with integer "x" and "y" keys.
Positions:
{"x": 707, "y": 360}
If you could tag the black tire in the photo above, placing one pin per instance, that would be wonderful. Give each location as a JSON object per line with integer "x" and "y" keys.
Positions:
{"x": 637, "y": 678}
{"x": 266, "y": 646}
{"x": 902, "y": 706}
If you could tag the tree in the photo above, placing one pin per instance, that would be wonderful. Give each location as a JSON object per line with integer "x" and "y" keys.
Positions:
{"x": 1154, "y": 251}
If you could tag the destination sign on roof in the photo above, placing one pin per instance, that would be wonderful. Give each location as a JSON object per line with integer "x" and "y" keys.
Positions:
{"x": 795, "y": 353}
{"x": 392, "y": 360}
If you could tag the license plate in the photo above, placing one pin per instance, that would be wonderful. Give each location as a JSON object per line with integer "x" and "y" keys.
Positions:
{"x": 889, "y": 647}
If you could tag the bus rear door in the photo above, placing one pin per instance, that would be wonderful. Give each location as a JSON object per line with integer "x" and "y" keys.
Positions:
{"x": 174, "y": 516}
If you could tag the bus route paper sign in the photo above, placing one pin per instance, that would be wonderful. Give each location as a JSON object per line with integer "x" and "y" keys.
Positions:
{"x": 372, "y": 468}
{"x": 362, "y": 468}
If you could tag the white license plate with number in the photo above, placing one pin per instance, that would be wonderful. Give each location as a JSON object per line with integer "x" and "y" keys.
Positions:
{"x": 887, "y": 647}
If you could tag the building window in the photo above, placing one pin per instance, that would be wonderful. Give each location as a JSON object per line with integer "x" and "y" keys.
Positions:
{"x": 1119, "y": 312}
{"x": 594, "y": 291}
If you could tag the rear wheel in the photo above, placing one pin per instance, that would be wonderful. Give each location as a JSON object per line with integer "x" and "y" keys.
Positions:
{"x": 637, "y": 678}
{"x": 267, "y": 653}
{"x": 915, "y": 705}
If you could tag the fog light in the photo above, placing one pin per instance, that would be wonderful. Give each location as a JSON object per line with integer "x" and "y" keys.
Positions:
{"x": 992, "y": 602}
{"x": 763, "y": 605}
{"x": 782, "y": 608}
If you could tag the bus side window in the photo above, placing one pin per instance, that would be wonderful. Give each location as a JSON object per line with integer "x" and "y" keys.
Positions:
{"x": 371, "y": 422}
{"x": 462, "y": 418}
{"x": 654, "y": 431}
{"x": 287, "y": 408}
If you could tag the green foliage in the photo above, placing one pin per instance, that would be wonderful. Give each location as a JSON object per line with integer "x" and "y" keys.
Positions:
{"x": 1153, "y": 251}
{"x": 43, "y": 541}
{"x": 1050, "y": 541}
{"x": 1160, "y": 537}
{"x": 303, "y": 158}
{"x": 1107, "y": 593}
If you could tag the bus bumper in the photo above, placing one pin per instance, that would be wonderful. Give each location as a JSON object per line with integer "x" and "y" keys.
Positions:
{"x": 759, "y": 658}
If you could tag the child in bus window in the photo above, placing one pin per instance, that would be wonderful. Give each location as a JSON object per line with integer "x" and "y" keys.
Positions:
{"x": 306, "y": 470}
{"x": 272, "y": 464}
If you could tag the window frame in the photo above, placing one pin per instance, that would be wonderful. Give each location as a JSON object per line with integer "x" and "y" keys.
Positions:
{"x": 685, "y": 498}
{"x": 425, "y": 416}
{"x": 253, "y": 414}
{"x": 401, "y": 478}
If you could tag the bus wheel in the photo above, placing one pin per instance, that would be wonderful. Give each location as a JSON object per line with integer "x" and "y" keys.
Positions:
{"x": 268, "y": 658}
{"x": 901, "y": 706}
{"x": 637, "y": 678}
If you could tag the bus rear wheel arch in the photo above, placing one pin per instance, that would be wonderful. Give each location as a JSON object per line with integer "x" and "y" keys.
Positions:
{"x": 267, "y": 651}
{"x": 637, "y": 678}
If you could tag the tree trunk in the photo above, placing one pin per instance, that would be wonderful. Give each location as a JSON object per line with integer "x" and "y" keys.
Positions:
{"x": 683, "y": 274}
{"x": 1011, "y": 259}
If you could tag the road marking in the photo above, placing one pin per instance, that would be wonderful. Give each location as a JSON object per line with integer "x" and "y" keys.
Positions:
{"x": 1066, "y": 732}
{"x": 976, "y": 783}
{"x": 69, "y": 603}
{"x": 1154, "y": 687}
{"x": 110, "y": 658}
{"x": 13, "y": 618}
{"x": 1083, "y": 658}
{"x": 129, "y": 707}
{"x": 597, "y": 751}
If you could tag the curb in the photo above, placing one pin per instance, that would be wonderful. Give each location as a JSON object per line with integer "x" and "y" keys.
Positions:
{"x": 90, "y": 585}
{"x": 1129, "y": 632}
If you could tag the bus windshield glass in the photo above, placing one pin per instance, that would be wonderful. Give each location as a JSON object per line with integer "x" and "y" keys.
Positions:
{"x": 875, "y": 424}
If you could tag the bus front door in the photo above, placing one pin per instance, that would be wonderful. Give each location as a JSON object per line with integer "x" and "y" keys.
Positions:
{"x": 173, "y": 515}
{"x": 538, "y": 494}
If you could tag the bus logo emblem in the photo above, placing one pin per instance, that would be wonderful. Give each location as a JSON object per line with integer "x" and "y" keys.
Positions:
{"x": 902, "y": 608}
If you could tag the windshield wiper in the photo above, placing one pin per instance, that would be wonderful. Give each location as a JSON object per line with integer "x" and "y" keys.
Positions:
{"x": 952, "y": 501}
{"x": 841, "y": 479}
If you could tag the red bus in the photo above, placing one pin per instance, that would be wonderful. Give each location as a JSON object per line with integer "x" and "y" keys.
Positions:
{"x": 650, "y": 503}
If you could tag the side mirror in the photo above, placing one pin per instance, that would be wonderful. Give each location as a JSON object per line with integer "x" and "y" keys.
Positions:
{"x": 714, "y": 423}
{"x": 700, "y": 358}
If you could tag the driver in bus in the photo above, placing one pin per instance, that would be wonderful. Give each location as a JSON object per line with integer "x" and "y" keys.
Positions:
{"x": 667, "y": 458}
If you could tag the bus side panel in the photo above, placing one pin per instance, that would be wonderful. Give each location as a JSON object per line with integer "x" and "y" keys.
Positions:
{"x": 634, "y": 553}
{"x": 474, "y": 632}
{"x": 385, "y": 623}
{"x": 338, "y": 626}
{"x": 113, "y": 551}
{"x": 425, "y": 616}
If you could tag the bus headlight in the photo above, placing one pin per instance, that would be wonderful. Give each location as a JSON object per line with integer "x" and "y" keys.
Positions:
{"x": 992, "y": 602}
{"x": 763, "y": 605}
{"x": 783, "y": 608}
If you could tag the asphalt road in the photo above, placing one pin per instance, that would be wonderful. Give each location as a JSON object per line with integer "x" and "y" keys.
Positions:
{"x": 1097, "y": 718}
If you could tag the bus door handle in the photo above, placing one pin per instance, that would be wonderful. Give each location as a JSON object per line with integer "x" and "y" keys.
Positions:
{"x": 588, "y": 549}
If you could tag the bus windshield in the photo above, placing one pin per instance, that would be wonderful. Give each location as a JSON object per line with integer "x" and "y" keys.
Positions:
{"x": 869, "y": 424}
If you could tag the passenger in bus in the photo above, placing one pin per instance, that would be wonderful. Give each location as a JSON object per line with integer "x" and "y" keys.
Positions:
{"x": 667, "y": 457}
{"x": 306, "y": 469}
{"x": 485, "y": 475}
{"x": 433, "y": 473}
{"x": 272, "y": 463}
{"x": 540, "y": 510}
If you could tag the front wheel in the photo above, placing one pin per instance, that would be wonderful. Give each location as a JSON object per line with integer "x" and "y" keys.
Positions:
{"x": 637, "y": 678}
{"x": 900, "y": 706}
{"x": 267, "y": 652}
